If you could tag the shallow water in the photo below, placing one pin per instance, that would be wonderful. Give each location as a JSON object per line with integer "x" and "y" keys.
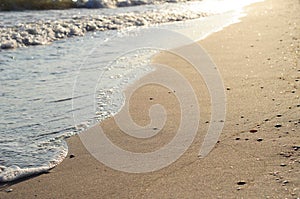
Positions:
{"x": 54, "y": 91}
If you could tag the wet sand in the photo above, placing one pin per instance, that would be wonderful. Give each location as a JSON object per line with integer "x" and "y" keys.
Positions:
{"x": 258, "y": 153}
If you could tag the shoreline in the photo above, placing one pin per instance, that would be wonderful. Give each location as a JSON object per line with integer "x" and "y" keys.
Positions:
{"x": 265, "y": 152}
{"x": 12, "y": 173}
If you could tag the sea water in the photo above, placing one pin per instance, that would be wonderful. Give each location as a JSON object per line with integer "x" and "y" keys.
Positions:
{"x": 52, "y": 92}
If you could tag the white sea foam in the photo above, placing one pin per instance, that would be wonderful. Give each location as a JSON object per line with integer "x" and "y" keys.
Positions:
{"x": 12, "y": 173}
{"x": 15, "y": 172}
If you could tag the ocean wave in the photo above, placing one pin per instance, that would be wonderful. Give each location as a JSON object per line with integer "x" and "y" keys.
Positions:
{"x": 14, "y": 172}
{"x": 41, "y": 33}
{"x": 9, "y": 5}
{"x": 120, "y": 3}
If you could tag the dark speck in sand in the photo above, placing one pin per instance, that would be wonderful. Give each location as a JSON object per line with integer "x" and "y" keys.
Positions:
{"x": 282, "y": 164}
{"x": 72, "y": 156}
{"x": 285, "y": 182}
{"x": 151, "y": 98}
{"x": 278, "y": 125}
{"x": 241, "y": 183}
{"x": 296, "y": 148}
{"x": 253, "y": 131}
{"x": 259, "y": 139}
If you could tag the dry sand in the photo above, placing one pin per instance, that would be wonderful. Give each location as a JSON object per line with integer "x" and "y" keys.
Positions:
{"x": 259, "y": 60}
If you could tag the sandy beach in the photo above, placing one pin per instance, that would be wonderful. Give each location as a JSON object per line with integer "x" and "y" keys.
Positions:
{"x": 258, "y": 153}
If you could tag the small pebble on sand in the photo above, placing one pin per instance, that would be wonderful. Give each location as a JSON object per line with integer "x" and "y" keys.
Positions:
{"x": 285, "y": 182}
{"x": 282, "y": 164}
{"x": 296, "y": 147}
{"x": 253, "y": 131}
{"x": 241, "y": 182}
